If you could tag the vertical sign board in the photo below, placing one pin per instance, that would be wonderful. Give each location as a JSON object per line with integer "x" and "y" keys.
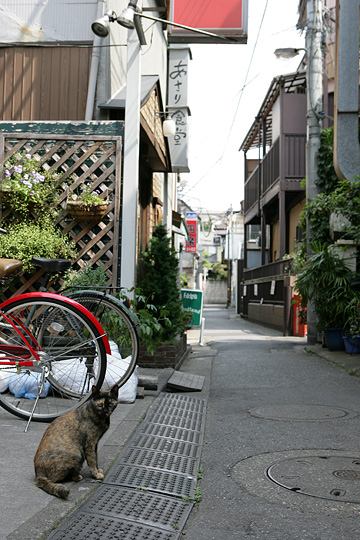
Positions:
{"x": 177, "y": 108}
{"x": 192, "y": 300}
{"x": 226, "y": 18}
{"x": 191, "y": 225}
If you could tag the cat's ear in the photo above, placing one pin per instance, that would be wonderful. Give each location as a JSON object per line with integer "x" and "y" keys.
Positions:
{"x": 114, "y": 391}
{"x": 94, "y": 391}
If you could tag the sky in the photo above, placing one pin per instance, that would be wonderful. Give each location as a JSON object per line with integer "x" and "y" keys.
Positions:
{"x": 227, "y": 85}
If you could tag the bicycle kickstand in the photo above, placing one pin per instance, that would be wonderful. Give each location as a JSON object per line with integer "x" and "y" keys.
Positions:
{"x": 41, "y": 386}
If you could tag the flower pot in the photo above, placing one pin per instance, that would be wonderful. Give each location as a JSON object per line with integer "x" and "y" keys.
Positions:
{"x": 87, "y": 213}
{"x": 352, "y": 344}
{"x": 334, "y": 339}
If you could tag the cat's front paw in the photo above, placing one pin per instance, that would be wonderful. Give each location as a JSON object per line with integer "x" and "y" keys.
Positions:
{"x": 98, "y": 474}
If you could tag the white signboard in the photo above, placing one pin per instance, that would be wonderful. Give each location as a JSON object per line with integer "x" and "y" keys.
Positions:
{"x": 177, "y": 108}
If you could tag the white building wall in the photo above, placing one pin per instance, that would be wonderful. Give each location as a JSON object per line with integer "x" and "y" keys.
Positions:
{"x": 46, "y": 20}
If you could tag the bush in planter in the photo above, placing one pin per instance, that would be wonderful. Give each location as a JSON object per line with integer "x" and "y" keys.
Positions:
{"x": 325, "y": 280}
{"x": 27, "y": 240}
{"x": 352, "y": 328}
{"x": 158, "y": 282}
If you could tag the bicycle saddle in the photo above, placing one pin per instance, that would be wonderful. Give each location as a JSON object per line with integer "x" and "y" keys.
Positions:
{"x": 52, "y": 265}
{"x": 9, "y": 266}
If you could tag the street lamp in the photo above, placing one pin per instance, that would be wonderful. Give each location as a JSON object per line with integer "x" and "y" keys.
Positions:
{"x": 288, "y": 52}
{"x": 314, "y": 84}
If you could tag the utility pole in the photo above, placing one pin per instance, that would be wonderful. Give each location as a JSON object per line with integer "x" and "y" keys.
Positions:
{"x": 314, "y": 82}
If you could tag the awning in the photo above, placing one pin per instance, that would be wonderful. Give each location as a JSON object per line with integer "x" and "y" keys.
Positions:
{"x": 178, "y": 224}
{"x": 148, "y": 83}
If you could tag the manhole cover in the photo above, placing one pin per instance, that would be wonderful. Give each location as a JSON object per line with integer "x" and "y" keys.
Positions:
{"x": 300, "y": 412}
{"x": 325, "y": 476}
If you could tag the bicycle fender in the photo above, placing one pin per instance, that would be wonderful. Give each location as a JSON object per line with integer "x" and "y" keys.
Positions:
{"x": 65, "y": 300}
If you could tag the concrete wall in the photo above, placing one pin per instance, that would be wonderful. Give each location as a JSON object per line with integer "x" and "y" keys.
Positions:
{"x": 215, "y": 292}
{"x": 269, "y": 314}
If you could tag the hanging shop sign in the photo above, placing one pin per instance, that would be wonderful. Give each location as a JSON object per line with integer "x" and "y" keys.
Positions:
{"x": 191, "y": 242}
{"x": 226, "y": 18}
{"x": 177, "y": 107}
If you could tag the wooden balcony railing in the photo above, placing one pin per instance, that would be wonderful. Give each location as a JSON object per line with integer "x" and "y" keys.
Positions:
{"x": 291, "y": 166}
{"x": 271, "y": 270}
{"x": 252, "y": 189}
{"x": 271, "y": 166}
{"x": 294, "y": 153}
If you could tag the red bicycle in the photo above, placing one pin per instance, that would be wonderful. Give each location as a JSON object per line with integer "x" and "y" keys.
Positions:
{"x": 52, "y": 351}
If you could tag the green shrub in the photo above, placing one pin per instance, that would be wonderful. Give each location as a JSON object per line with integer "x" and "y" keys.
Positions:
{"x": 27, "y": 240}
{"x": 158, "y": 283}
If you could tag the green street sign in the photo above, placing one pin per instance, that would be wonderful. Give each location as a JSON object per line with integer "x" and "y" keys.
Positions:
{"x": 192, "y": 300}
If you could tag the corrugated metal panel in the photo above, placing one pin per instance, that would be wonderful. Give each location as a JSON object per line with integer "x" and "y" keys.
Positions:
{"x": 46, "y": 20}
{"x": 43, "y": 83}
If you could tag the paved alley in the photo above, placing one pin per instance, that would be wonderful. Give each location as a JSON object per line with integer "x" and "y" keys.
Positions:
{"x": 275, "y": 410}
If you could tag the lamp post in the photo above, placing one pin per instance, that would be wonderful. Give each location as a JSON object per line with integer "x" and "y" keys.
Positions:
{"x": 314, "y": 83}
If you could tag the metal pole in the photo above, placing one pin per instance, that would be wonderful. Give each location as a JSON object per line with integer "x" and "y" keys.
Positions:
{"x": 314, "y": 74}
{"x": 131, "y": 162}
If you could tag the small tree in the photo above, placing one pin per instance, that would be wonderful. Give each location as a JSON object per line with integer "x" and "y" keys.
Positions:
{"x": 158, "y": 282}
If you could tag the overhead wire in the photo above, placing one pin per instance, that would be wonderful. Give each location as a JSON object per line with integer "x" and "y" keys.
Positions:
{"x": 245, "y": 83}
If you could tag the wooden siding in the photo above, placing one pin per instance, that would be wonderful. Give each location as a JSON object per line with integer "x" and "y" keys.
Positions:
{"x": 44, "y": 83}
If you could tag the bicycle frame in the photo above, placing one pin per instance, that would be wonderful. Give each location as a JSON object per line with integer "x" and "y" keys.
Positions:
{"x": 66, "y": 300}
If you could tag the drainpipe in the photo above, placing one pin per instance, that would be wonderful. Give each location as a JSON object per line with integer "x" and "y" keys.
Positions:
{"x": 94, "y": 67}
{"x": 346, "y": 121}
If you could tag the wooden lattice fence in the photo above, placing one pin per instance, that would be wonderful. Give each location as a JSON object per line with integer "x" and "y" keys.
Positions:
{"x": 94, "y": 159}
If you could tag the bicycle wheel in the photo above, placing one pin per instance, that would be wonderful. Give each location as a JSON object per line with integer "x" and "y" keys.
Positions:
{"x": 69, "y": 356}
{"x": 120, "y": 326}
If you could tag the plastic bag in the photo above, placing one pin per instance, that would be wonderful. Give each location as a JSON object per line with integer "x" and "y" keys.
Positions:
{"x": 26, "y": 385}
{"x": 4, "y": 381}
{"x": 116, "y": 367}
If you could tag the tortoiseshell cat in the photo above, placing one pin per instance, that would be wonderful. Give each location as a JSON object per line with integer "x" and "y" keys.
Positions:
{"x": 72, "y": 438}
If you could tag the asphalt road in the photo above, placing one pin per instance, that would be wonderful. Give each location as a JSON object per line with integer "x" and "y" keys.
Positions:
{"x": 271, "y": 403}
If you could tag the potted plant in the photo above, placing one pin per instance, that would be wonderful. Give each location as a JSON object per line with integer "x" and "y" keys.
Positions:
{"x": 325, "y": 280}
{"x": 27, "y": 187}
{"x": 352, "y": 333}
{"x": 88, "y": 206}
{"x": 160, "y": 300}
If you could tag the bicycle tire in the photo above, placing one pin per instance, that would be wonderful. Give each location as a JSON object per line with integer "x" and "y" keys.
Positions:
{"x": 72, "y": 352}
{"x": 105, "y": 307}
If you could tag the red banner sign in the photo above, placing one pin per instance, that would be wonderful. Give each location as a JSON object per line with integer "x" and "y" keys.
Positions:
{"x": 191, "y": 242}
{"x": 227, "y": 18}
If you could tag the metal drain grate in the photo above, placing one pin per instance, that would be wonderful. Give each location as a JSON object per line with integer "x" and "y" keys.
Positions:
{"x": 160, "y": 460}
{"x": 170, "y": 432}
{"x": 185, "y": 420}
{"x": 151, "y": 479}
{"x": 170, "y": 406}
{"x": 143, "y": 507}
{"x": 83, "y": 526}
{"x": 183, "y": 400}
{"x": 160, "y": 444}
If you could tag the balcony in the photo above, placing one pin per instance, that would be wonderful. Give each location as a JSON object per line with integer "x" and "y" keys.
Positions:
{"x": 284, "y": 162}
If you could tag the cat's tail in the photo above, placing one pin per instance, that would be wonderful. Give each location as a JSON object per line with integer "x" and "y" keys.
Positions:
{"x": 58, "y": 490}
